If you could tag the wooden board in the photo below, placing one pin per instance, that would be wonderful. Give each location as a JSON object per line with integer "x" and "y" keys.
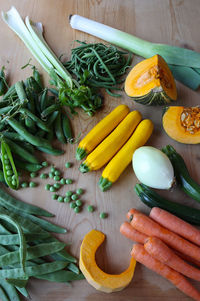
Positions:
{"x": 173, "y": 22}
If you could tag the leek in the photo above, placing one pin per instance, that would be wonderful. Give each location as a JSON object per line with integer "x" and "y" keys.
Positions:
{"x": 180, "y": 60}
{"x": 70, "y": 92}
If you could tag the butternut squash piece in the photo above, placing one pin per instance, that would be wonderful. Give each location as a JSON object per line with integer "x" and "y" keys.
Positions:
{"x": 151, "y": 82}
{"x": 104, "y": 282}
{"x": 182, "y": 124}
{"x": 100, "y": 131}
{"x": 109, "y": 146}
{"x": 122, "y": 159}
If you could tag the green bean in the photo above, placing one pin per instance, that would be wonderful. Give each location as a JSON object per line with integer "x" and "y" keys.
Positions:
{"x": 34, "y": 140}
{"x": 59, "y": 130}
{"x": 13, "y": 239}
{"x": 17, "y": 282}
{"x": 51, "y": 150}
{"x": 33, "y": 270}
{"x": 6, "y": 155}
{"x": 22, "y": 249}
{"x": 72, "y": 267}
{"x": 38, "y": 121}
{"x": 9, "y": 290}
{"x": 39, "y": 250}
{"x": 44, "y": 224}
{"x": 67, "y": 130}
{"x": 61, "y": 276}
{"x": 20, "y": 151}
{"x": 112, "y": 94}
{"x": 3, "y": 295}
{"x": 50, "y": 109}
{"x": 28, "y": 166}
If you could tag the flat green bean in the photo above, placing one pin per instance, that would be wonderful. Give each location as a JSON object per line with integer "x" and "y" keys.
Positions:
{"x": 13, "y": 239}
{"x": 10, "y": 203}
{"x": 72, "y": 267}
{"x": 33, "y": 270}
{"x": 10, "y": 290}
{"x": 17, "y": 282}
{"x": 61, "y": 276}
{"x": 3, "y": 295}
{"x": 39, "y": 250}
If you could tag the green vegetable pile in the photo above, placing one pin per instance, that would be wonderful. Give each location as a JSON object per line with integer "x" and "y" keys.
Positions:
{"x": 25, "y": 241}
{"x": 29, "y": 117}
{"x": 99, "y": 66}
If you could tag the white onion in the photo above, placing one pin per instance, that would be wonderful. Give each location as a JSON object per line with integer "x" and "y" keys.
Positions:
{"x": 153, "y": 168}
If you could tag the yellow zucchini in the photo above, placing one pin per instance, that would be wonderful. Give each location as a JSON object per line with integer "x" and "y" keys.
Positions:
{"x": 109, "y": 146}
{"x": 100, "y": 131}
{"x": 121, "y": 160}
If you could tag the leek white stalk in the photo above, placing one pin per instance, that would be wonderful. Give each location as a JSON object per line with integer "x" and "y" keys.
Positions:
{"x": 153, "y": 168}
{"x": 31, "y": 34}
{"x": 181, "y": 61}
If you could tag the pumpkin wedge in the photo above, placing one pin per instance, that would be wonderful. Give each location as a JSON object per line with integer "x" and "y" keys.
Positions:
{"x": 151, "y": 82}
{"x": 104, "y": 282}
{"x": 182, "y": 124}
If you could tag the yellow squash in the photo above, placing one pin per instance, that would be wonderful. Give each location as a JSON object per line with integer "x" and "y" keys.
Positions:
{"x": 182, "y": 124}
{"x": 100, "y": 131}
{"x": 121, "y": 160}
{"x": 151, "y": 82}
{"x": 110, "y": 145}
{"x": 104, "y": 282}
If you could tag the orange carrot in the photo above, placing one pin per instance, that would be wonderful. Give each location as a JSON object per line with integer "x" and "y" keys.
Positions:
{"x": 146, "y": 225}
{"x": 175, "y": 224}
{"x": 188, "y": 258}
{"x": 127, "y": 230}
{"x": 159, "y": 250}
{"x": 131, "y": 212}
{"x": 141, "y": 255}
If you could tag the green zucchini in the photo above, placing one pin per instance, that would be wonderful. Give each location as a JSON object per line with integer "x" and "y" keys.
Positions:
{"x": 187, "y": 184}
{"x": 152, "y": 199}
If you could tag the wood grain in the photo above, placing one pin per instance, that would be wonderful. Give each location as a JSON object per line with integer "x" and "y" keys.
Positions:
{"x": 173, "y": 22}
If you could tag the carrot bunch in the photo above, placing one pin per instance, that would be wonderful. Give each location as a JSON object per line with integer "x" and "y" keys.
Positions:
{"x": 164, "y": 242}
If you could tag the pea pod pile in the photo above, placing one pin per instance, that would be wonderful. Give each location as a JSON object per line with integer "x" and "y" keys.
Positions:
{"x": 30, "y": 115}
{"x": 25, "y": 240}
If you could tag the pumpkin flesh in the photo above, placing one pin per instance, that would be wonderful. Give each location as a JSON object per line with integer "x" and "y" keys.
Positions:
{"x": 182, "y": 124}
{"x": 151, "y": 78}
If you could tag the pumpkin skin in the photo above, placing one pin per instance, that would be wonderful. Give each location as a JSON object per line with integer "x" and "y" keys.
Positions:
{"x": 151, "y": 82}
{"x": 182, "y": 124}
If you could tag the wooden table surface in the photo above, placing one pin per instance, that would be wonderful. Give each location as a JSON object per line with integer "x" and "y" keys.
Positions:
{"x": 173, "y": 22}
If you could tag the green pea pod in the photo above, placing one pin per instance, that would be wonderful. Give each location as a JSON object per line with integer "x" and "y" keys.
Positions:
{"x": 54, "y": 91}
{"x": 67, "y": 129}
{"x": 33, "y": 270}
{"x": 44, "y": 100}
{"x": 3, "y": 84}
{"x": 10, "y": 291}
{"x": 21, "y": 151}
{"x": 59, "y": 130}
{"x": 10, "y": 94}
{"x": 12, "y": 135}
{"x": 31, "y": 100}
{"x": 52, "y": 118}
{"x": 37, "y": 77}
{"x": 28, "y": 166}
{"x": 2, "y": 179}
{"x": 22, "y": 249}
{"x": 51, "y": 151}
{"x": 38, "y": 121}
{"x": 9, "y": 202}
{"x": 9, "y": 169}
{"x": 33, "y": 84}
{"x": 30, "y": 124}
{"x": 19, "y": 87}
{"x": 32, "y": 139}
{"x": 50, "y": 109}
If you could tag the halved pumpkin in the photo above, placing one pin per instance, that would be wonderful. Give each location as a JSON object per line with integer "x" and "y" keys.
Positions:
{"x": 151, "y": 82}
{"x": 182, "y": 124}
